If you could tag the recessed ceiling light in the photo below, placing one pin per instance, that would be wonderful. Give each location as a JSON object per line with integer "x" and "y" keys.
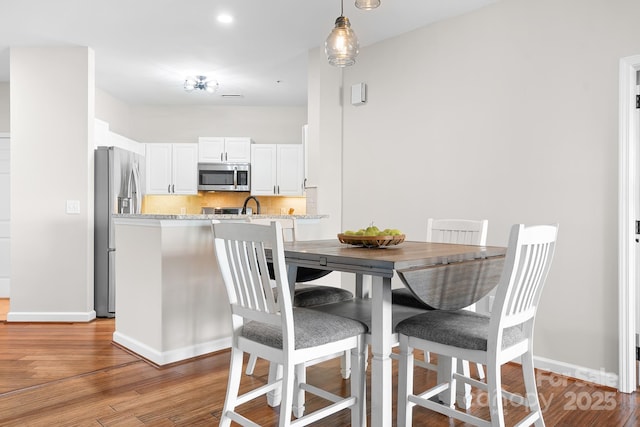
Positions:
{"x": 225, "y": 18}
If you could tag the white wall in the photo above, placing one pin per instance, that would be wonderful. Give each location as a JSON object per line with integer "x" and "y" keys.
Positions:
{"x": 265, "y": 125}
{"x": 510, "y": 114}
{"x": 324, "y": 141}
{"x": 113, "y": 111}
{"x": 4, "y": 107}
{"x": 51, "y": 162}
{"x": 5, "y": 216}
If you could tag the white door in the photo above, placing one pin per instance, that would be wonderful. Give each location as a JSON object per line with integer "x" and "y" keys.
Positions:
{"x": 238, "y": 150}
{"x": 290, "y": 181}
{"x": 5, "y": 255}
{"x": 635, "y": 119}
{"x": 158, "y": 162}
{"x": 629, "y": 213}
{"x": 185, "y": 169}
{"x": 210, "y": 149}
{"x": 263, "y": 169}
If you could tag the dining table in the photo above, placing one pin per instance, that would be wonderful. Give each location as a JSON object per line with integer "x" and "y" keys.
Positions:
{"x": 429, "y": 269}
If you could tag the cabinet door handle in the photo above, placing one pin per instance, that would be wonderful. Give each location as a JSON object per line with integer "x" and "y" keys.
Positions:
{"x": 173, "y": 188}
{"x": 274, "y": 190}
{"x": 169, "y": 188}
{"x": 226, "y": 157}
{"x": 221, "y": 157}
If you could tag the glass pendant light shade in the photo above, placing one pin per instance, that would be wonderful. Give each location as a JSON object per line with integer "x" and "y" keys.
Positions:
{"x": 342, "y": 45}
{"x": 367, "y": 4}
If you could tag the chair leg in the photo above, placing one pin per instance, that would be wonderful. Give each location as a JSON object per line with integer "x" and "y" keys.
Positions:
{"x": 463, "y": 395}
{"x": 299, "y": 394}
{"x": 446, "y": 367}
{"x": 405, "y": 383}
{"x": 275, "y": 374}
{"x": 345, "y": 365}
{"x": 251, "y": 364}
{"x": 480, "y": 370}
{"x": 358, "y": 384}
{"x": 530, "y": 386}
{"x": 233, "y": 386}
{"x": 288, "y": 378}
{"x": 494, "y": 386}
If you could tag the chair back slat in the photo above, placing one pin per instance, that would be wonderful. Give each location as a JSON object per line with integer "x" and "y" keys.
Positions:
{"x": 458, "y": 231}
{"x": 527, "y": 264}
{"x": 240, "y": 249}
{"x": 289, "y": 226}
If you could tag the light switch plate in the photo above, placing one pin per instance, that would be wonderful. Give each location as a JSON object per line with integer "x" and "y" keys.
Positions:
{"x": 73, "y": 206}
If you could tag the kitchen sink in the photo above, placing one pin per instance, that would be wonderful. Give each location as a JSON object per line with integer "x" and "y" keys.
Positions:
{"x": 225, "y": 211}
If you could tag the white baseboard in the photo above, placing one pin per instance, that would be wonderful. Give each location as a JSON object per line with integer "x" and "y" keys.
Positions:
{"x": 26, "y": 316}
{"x": 600, "y": 377}
{"x": 165, "y": 357}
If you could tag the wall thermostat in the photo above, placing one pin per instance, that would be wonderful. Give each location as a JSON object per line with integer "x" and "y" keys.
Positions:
{"x": 359, "y": 94}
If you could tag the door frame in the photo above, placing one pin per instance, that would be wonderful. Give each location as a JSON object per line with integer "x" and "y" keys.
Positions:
{"x": 628, "y": 198}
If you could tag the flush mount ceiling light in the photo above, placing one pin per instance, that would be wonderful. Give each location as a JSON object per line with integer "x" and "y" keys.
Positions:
{"x": 367, "y": 4}
{"x": 342, "y": 45}
{"x": 200, "y": 83}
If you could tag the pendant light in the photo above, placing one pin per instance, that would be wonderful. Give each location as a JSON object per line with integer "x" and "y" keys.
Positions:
{"x": 342, "y": 45}
{"x": 367, "y": 4}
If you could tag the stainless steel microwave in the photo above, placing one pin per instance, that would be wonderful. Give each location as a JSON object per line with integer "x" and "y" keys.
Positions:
{"x": 224, "y": 176}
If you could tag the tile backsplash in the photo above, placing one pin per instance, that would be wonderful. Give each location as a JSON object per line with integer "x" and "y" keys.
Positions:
{"x": 175, "y": 204}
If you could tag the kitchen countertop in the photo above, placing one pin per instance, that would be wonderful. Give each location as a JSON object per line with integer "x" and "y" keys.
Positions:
{"x": 213, "y": 216}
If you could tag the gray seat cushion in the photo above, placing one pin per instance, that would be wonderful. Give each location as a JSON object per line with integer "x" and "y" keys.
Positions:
{"x": 312, "y": 328}
{"x": 311, "y": 295}
{"x": 404, "y": 296}
{"x": 460, "y": 328}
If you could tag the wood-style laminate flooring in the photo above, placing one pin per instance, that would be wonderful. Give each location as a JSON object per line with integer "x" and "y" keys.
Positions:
{"x": 71, "y": 374}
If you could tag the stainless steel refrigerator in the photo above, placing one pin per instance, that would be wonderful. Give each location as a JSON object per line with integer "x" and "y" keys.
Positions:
{"x": 119, "y": 179}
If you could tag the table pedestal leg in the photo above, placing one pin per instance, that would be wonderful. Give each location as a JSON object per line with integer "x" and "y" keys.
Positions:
{"x": 363, "y": 286}
{"x": 381, "y": 381}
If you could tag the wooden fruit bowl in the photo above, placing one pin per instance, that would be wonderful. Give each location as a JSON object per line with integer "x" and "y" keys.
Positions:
{"x": 371, "y": 241}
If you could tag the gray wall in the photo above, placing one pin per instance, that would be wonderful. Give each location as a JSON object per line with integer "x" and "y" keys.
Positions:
{"x": 509, "y": 113}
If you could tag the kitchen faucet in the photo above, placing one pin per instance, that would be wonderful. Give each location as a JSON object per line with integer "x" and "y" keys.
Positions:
{"x": 244, "y": 206}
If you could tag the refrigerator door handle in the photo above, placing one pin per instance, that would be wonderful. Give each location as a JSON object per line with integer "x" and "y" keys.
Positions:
{"x": 134, "y": 188}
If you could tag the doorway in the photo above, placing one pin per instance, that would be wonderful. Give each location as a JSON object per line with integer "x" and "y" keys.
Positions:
{"x": 629, "y": 212}
{"x": 5, "y": 201}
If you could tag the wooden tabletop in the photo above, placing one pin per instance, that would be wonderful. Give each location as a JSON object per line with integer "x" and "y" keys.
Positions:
{"x": 442, "y": 275}
{"x": 407, "y": 256}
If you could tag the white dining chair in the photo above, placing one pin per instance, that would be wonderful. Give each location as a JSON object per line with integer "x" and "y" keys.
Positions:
{"x": 305, "y": 295}
{"x": 493, "y": 340}
{"x": 459, "y": 231}
{"x": 269, "y": 326}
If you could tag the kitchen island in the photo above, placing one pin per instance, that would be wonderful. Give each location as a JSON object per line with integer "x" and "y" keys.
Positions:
{"x": 171, "y": 303}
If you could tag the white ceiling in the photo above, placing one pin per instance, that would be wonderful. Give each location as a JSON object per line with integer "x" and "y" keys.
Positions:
{"x": 144, "y": 49}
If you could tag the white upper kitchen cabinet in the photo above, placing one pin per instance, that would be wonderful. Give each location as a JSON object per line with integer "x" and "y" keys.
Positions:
{"x": 172, "y": 168}
{"x": 277, "y": 170}
{"x": 224, "y": 149}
